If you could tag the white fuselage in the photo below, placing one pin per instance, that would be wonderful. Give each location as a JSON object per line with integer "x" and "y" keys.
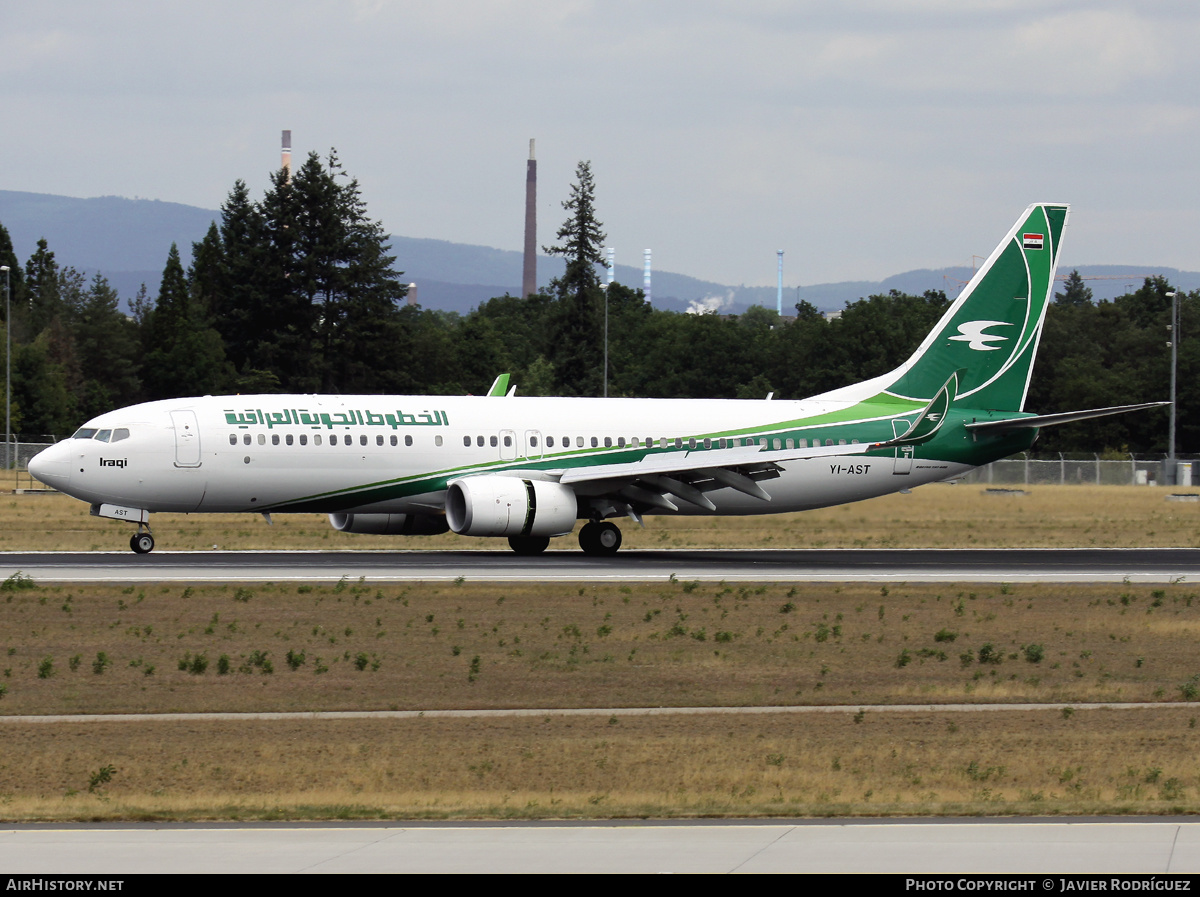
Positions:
{"x": 395, "y": 454}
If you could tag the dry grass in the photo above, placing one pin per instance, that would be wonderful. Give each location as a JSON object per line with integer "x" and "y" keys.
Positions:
{"x": 779, "y": 765}
{"x": 610, "y": 646}
{"x": 428, "y": 645}
{"x": 934, "y": 516}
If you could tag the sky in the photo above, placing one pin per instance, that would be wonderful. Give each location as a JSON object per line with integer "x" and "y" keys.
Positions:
{"x": 864, "y": 138}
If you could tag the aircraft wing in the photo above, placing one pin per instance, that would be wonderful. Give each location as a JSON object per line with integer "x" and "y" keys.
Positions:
{"x": 660, "y": 479}
{"x": 657, "y": 480}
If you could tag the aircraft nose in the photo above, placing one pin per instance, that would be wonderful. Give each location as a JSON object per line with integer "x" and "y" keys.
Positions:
{"x": 52, "y": 467}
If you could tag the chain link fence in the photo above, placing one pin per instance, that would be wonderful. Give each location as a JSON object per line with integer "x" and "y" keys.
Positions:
{"x": 15, "y": 458}
{"x": 1088, "y": 470}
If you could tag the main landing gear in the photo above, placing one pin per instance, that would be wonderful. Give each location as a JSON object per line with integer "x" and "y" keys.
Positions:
{"x": 142, "y": 542}
{"x": 597, "y": 538}
{"x": 600, "y": 538}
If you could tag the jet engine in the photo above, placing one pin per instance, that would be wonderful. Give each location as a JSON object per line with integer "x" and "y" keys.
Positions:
{"x": 389, "y": 524}
{"x": 509, "y": 506}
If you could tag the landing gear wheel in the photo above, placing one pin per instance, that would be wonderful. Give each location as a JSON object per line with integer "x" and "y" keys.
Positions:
{"x": 600, "y": 539}
{"x": 527, "y": 546}
{"x": 142, "y": 543}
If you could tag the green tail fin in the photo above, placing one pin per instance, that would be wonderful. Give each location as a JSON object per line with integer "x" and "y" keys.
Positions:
{"x": 990, "y": 334}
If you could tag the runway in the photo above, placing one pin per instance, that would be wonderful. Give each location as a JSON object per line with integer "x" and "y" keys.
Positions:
{"x": 1168, "y": 849}
{"x": 1148, "y": 565}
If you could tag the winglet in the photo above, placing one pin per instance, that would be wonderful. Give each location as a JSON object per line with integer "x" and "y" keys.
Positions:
{"x": 499, "y": 386}
{"x": 930, "y": 420}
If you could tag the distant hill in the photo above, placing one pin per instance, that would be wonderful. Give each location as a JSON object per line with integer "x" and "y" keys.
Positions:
{"x": 127, "y": 240}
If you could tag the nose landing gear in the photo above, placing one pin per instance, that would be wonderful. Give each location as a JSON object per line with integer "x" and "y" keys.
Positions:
{"x": 142, "y": 542}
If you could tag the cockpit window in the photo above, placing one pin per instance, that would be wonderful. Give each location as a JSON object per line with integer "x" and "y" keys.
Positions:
{"x": 101, "y": 435}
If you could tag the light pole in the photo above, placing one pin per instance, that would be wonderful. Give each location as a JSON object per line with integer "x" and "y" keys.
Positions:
{"x": 7, "y": 367}
{"x": 604, "y": 287}
{"x": 612, "y": 269}
{"x": 1173, "y": 329}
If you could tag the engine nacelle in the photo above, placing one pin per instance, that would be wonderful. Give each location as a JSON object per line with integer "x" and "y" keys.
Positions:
{"x": 389, "y": 524}
{"x": 509, "y": 506}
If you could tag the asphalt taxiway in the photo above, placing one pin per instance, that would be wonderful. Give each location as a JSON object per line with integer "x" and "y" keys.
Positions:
{"x": 1156, "y": 565}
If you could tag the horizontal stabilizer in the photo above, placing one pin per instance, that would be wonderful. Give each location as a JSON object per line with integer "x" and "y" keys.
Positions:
{"x": 1050, "y": 420}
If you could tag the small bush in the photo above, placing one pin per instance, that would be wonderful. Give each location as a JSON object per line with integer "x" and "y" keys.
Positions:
{"x": 944, "y": 635}
{"x": 18, "y": 582}
{"x": 989, "y": 654}
{"x": 194, "y": 664}
{"x": 101, "y": 663}
{"x": 1034, "y": 653}
{"x": 1191, "y": 689}
{"x": 101, "y": 776}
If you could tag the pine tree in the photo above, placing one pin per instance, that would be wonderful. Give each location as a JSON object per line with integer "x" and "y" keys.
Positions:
{"x": 108, "y": 352}
{"x": 238, "y": 293}
{"x": 42, "y": 298}
{"x": 1075, "y": 292}
{"x": 351, "y": 279}
{"x": 581, "y": 239}
{"x": 324, "y": 313}
{"x": 184, "y": 354}
{"x": 577, "y": 347}
{"x": 8, "y": 257}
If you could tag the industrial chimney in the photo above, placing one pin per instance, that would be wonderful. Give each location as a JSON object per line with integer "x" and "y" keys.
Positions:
{"x": 529, "y": 271}
{"x": 646, "y": 274}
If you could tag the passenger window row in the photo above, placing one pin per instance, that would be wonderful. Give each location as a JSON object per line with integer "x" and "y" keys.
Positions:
{"x": 347, "y": 439}
{"x": 649, "y": 442}
{"x": 302, "y": 439}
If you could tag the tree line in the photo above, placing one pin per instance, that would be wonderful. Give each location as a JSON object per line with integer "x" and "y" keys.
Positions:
{"x": 297, "y": 292}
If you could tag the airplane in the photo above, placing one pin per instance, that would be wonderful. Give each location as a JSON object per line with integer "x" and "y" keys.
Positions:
{"x": 528, "y": 469}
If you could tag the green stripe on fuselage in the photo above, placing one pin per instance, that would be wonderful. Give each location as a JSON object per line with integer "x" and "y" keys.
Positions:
{"x": 865, "y": 422}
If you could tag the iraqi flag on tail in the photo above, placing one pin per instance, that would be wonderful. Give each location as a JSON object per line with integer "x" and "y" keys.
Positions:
{"x": 1032, "y": 241}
